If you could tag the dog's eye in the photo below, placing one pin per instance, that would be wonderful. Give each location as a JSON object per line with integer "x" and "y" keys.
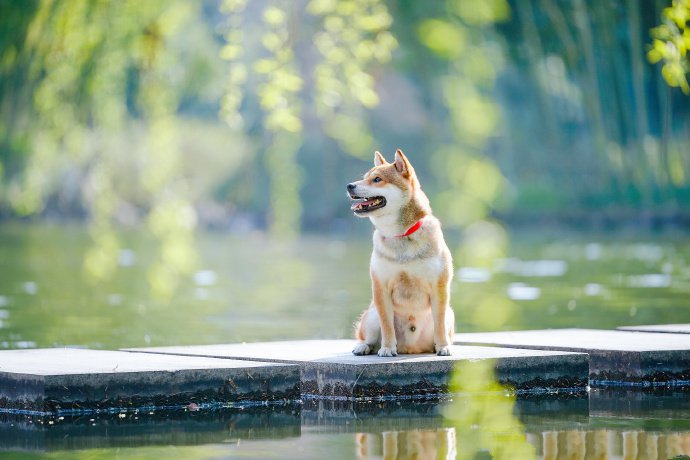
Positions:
{"x": 376, "y": 180}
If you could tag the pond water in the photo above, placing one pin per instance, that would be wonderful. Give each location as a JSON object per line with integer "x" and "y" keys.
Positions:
{"x": 248, "y": 288}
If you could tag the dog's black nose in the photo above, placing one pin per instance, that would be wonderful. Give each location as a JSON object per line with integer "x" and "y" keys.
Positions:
{"x": 351, "y": 187}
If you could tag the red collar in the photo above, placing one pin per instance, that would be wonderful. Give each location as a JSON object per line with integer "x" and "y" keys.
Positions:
{"x": 412, "y": 229}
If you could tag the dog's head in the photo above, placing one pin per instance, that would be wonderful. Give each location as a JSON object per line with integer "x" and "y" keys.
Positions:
{"x": 385, "y": 189}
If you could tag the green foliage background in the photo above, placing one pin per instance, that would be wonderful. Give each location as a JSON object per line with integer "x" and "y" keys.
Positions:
{"x": 231, "y": 113}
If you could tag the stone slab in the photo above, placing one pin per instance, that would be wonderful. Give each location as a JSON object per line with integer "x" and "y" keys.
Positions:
{"x": 329, "y": 369}
{"x": 617, "y": 358}
{"x": 60, "y": 380}
{"x": 665, "y": 328}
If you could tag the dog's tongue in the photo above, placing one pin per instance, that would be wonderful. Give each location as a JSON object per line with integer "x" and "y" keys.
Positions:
{"x": 361, "y": 204}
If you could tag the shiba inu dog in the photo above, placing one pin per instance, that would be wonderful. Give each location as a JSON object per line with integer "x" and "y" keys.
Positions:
{"x": 411, "y": 266}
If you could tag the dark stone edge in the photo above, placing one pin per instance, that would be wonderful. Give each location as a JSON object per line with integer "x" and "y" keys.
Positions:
{"x": 657, "y": 380}
{"x": 333, "y": 383}
{"x": 162, "y": 390}
{"x": 649, "y": 369}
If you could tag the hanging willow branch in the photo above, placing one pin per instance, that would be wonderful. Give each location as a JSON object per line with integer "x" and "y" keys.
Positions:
{"x": 278, "y": 93}
{"x": 354, "y": 36}
{"x": 670, "y": 45}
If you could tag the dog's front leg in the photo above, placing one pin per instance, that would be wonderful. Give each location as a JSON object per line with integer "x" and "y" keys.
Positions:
{"x": 440, "y": 309}
{"x": 384, "y": 307}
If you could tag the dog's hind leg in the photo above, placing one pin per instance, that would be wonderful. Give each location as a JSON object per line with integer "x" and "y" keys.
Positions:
{"x": 368, "y": 332}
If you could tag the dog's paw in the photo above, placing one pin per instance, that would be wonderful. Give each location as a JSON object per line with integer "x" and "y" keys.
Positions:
{"x": 443, "y": 351}
{"x": 385, "y": 351}
{"x": 361, "y": 349}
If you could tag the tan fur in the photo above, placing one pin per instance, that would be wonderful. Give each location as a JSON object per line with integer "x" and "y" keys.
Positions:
{"x": 410, "y": 310}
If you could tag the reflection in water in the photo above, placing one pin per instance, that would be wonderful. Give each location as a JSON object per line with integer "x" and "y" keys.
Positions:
{"x": 438, "y": 444}
{"x": 521, "y": 291}
{"x": 548, "y": 445}
{"x": 533, "y": 268}
{"x": 141, "y": 428}
{"x": 473, "y": 275}
{"x": 487, "y": 425}
{"x": 651, "y": 280}
{"x": 483, "y": 415}
{"x": 609, "y": 444}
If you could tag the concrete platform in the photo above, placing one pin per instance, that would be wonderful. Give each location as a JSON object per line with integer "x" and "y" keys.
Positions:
{"x": 63, "y": 380}
{"x": 617, "y": 358}
{"x": 666, "y": 328}
{"x": 329, "y": 369}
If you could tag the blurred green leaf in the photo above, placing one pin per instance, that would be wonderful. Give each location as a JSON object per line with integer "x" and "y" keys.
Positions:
{"x": 444, "y": 38}
{"x": 481, "y": 13}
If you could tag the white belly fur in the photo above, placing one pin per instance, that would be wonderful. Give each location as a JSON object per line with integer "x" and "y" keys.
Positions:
{"x": 410, "y": 288}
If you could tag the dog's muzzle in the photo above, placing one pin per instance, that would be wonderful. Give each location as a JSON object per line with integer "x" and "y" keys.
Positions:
{"x": 362, "y": 204}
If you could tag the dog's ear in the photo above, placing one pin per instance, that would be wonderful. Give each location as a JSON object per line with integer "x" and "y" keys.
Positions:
{"x": 378, "y": 159}
{"x": 402, "y": 165}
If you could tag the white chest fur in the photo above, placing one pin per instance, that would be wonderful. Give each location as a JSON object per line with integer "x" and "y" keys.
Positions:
{"x": 387, "y": 268}
{"x": 422, "y": 255}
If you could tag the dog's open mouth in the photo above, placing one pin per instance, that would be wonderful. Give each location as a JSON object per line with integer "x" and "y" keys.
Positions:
{"x": 361, "y": 205}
